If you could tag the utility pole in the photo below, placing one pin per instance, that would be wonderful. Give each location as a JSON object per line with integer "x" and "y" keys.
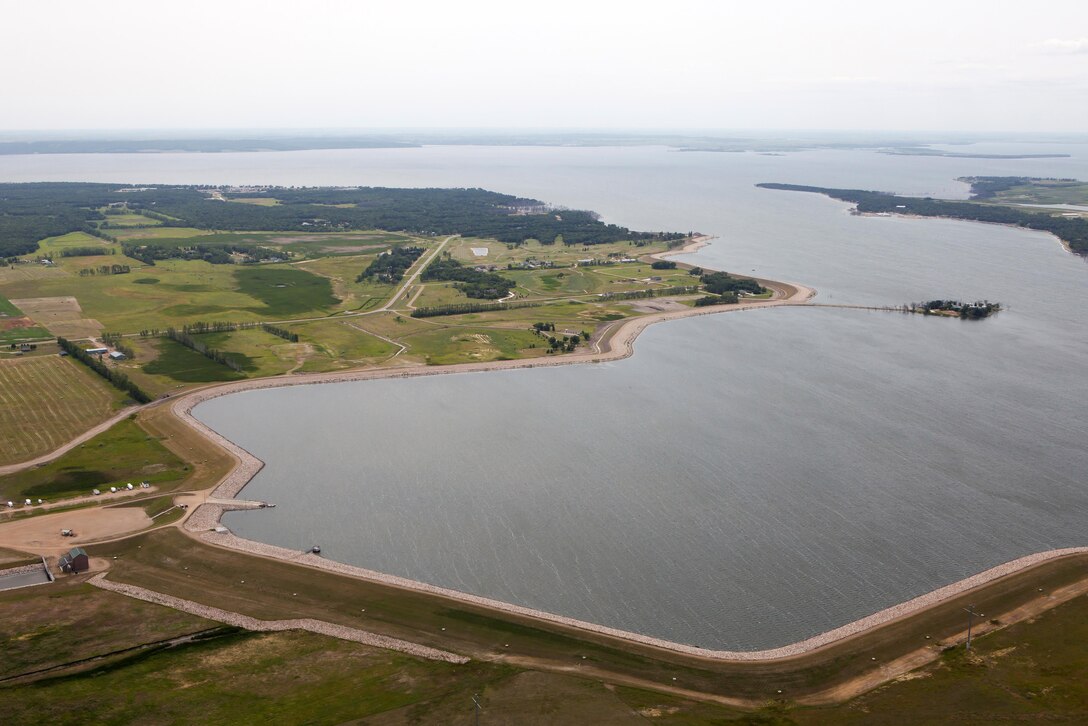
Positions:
{"x": 476, "y": 703}
{"x": 970, "y": 614}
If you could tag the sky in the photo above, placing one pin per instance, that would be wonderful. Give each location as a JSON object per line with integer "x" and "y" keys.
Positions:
{"x": 957, "y": 65}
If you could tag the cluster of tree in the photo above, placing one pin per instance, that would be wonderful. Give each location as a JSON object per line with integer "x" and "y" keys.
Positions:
{"x": 565, "y": 344}
{"x": 727, "y": 299}
{"x": 988, "y": 187}
{"x": 30, "y": 212}
{"x": 544, "y": 327}
{"x": 117, "y": 378}
{"x": 24, "y": 346}
{"x": 475, "y": 283}
{"x": 116, "y": 341}
{"x": 1072, "y": 230}
{"x": 210, "y": 353}
{"x": 105, "y": 270}
{"x": 663, "y": 265}
{"x": 218, "y": 326}
{"x": 719, "y": 283}
{"x": 216, "y": 254}
{"x": 280, "y": 332}
{"x": 391, "y": 266}
{"x": 87, "y": 251}
{"x": 970, "y": 311}
{"x": 643, "y": 294}
{"x": 466, "y": 308}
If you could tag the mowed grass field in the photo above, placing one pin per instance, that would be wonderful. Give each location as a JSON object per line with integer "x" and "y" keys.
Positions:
{"x": 47, "y": 400}
{"x": 125, "y": 453}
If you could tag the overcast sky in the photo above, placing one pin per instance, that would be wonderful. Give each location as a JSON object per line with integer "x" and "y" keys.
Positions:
{"x": 949, "y": 65}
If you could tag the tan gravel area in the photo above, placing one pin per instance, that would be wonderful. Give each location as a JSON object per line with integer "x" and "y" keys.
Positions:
{"x": 41, "y": 534}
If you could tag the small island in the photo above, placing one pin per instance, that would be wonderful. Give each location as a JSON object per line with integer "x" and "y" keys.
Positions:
{"x": 955, "y": 309}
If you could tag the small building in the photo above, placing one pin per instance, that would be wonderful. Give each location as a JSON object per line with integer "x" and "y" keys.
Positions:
{"x": 75, "y": 561}
{"x": 117, "y": 355}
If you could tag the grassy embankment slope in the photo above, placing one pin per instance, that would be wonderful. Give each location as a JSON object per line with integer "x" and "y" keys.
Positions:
{"x": 526, "y": 672}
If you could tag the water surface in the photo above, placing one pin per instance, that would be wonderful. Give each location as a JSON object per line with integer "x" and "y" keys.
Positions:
{"x": 745, "y": 480}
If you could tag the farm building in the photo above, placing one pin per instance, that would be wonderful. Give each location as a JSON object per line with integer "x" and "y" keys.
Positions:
{"x": 75, "y": 561}
{"x": 96, "y": 351}
{"x": 117, "y": 355}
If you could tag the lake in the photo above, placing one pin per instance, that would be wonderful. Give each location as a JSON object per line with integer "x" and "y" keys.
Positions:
{"x": 744, "y": 480}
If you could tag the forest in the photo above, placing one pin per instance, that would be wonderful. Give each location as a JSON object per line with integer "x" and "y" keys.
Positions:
{"x": 474, "y": 283}
{"x": 1072, "y": 230}
{"x": 31, "y": 212}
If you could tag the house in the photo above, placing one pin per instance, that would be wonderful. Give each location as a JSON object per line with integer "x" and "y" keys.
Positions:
{"x": 75, "y": 561}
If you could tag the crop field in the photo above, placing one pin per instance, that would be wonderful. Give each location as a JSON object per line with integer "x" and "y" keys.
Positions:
{"x": 46, "y": 401}
{"x": 125, "y": 453}
{"x": 14, "y": 325}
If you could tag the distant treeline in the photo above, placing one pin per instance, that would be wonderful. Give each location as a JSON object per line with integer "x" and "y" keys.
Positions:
{"x": 1072, "y": 230}
{"x": 105, "y": 270}
{"x": 474, "y": 283}
{"x": 31, "y": 212}
{"x": 987, "y": 187}
{"x": 117, "y": 378}
{"x": 216, "y": 254}
{"x": 466, "y": 308}
{"x": 87, "y": 251}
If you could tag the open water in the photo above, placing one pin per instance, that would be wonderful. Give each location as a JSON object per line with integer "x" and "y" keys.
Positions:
{"x": 745, "y": 480}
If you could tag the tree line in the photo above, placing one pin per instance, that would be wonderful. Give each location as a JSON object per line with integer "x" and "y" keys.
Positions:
{"x": 193, "y": 344}
{"x": 465, "y": 308}
{"x": 116, "y": 378}
{"x": 1072, "y": 230}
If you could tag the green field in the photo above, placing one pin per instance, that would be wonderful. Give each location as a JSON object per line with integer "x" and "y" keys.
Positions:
{"x": 285, "y": 291}
{"x": 46, "y": 401}
{"x": 125, "y": 453}
{"x": 178, "y": 363}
